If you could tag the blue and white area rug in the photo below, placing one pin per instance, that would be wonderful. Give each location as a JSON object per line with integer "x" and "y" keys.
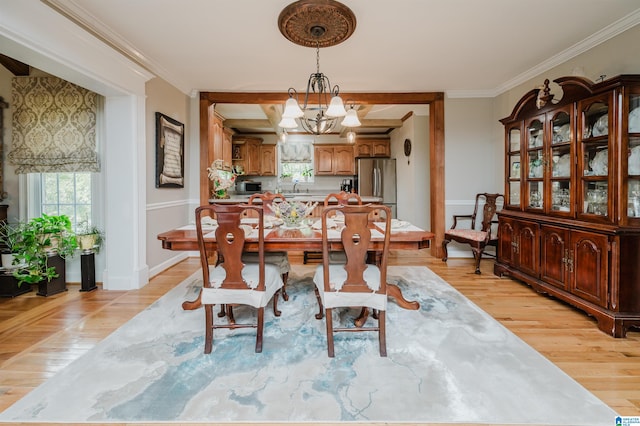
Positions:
{"x": 448, "y": 362}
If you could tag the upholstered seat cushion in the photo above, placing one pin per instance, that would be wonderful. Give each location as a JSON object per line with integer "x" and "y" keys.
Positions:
{"x": 277, "y": 258}
{"x": 250, "y": 273}
{"x": 337, "y": 298}
{"x": 468, "y": 234}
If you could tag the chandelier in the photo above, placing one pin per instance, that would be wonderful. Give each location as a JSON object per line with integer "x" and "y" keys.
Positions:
{"x": 317, "y": 23}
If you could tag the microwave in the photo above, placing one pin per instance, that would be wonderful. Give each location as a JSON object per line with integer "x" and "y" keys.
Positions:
{"x": 249, "y": 187}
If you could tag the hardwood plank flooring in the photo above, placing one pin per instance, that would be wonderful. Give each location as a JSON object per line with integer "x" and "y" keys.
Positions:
{"x": 41, "y": 335}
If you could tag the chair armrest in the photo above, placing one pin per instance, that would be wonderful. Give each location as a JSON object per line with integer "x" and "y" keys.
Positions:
{"x": 460, "y": 216}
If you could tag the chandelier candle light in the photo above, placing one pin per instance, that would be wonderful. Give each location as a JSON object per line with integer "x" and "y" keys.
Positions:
{"x": 318, "y": 23}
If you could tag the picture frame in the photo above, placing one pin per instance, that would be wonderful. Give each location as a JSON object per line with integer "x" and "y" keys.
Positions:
{"x": 169, "y": 152}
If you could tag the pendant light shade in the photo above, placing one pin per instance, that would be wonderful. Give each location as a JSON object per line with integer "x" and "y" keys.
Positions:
{"x": 351, "y": 119}
{"x": 288, "y": 123}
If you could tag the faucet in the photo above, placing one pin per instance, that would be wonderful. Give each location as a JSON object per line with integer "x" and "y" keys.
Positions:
{"x": 295, "y": 184}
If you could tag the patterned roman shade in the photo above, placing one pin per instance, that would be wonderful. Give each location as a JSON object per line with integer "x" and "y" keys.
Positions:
{"x": 54, "y": 126}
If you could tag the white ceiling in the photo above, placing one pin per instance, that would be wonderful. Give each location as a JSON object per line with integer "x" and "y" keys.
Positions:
{"x": 401, "y": 46}
{"x": 461, "y": 47}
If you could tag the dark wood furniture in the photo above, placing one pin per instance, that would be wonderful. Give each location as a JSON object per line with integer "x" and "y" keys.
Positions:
{"x": 570, "y": 226}
{"x": 302, "y": 239}
{"x": 233, "y": 282}
{"x": 279, "y": 258}
{"x": 478, "y": 239}
{"x": 354, "y": 283}
{"x": 342, "y": 198}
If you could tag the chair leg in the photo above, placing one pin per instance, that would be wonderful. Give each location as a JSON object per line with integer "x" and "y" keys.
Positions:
{"x": 230, "y": 316}
{"x": 382, "y": 333}
{"x": 320, "y": 313}
{"x": 276, "y": 312}
{"x": 444, "y": 250}
{"x": 260, "y": 330}
{"x": 285, "y": 277}
{"x": 478, "y": 256}
{"x": 208, "y": 331}
{"x": 223, "y": 311}
{"x": 329, "y": 321}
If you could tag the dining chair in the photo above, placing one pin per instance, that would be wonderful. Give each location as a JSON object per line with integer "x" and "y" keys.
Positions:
{"x": 478, "y": 239}
{"x": 354, "y": 283}
{"x": 278, "y": 258}
{"x": 343, "y": 198}
{"x": 232, "y": 282}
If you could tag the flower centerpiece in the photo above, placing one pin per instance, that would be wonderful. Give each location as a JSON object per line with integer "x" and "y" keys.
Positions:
{"x": 293, "y": 213}
{"x": 222, "y": 179}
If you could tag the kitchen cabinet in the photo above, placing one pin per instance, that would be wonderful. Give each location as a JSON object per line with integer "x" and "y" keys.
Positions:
{"x": 570, "y": 227}
{"x": 268, "y": 160}
{"x": 254, "y": 157}
{"x": 366, "y": 148}
{"x": 218, "y": 147}
{"x": 334, "y": 160}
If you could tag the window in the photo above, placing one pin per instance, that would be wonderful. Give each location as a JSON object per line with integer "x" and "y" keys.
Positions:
{"x": 66, "y": 194}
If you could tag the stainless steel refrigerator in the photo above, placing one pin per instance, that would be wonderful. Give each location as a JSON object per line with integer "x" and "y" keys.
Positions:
{"x": 377, "y": 178}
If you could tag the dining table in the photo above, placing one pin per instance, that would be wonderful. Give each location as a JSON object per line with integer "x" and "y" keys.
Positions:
{"x": 404, "y": 236}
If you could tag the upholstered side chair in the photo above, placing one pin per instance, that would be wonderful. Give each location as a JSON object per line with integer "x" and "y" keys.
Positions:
{"x": 233, "y": 282}
{"x": 354, "y": 283}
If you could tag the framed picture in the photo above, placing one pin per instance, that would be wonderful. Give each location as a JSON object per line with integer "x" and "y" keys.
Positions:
{"x": 169, "y": 152}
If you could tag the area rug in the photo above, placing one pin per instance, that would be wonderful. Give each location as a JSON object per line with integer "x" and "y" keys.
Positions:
{"x": 448, "y": 362}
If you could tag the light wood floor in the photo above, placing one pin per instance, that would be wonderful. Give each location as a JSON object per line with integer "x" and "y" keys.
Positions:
{"x": 39, "y": 336}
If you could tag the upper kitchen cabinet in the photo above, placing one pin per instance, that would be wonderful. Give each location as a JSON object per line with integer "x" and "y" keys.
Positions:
{"x": 252, "y": 157}
{"x": 366, "y": 148}
{"x": 572, "y": 177}
{"x": 334, "y": 160}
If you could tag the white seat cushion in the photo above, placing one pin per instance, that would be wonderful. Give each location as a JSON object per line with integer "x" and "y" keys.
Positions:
{"x": 278, "y": 258}
{"x": 216, "y": 295}
{"x": 337, "y": 298}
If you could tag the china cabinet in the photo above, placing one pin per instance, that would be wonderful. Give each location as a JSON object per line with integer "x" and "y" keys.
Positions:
{"x": 570, "y": 226}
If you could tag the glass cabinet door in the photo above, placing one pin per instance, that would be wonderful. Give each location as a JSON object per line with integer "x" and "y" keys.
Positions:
{"x": 561, "y": 162}
{"x": 514, "y": 164}
{"x": 593, "y": 159}
{"x": 633, "y": 158}
{"x": 534, "y": 173}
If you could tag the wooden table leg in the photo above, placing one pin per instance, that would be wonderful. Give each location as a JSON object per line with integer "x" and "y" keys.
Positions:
{"x": 395, "y": 292}
{"x": 190, "y": 305}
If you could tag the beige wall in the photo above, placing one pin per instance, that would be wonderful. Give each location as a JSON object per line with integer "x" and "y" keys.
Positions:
{"x": 166, "y": 207}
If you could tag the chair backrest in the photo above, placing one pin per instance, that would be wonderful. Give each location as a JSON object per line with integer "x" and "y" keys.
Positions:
{"x": 355, "y": 238}
{"x": 343, "y": 198}
{"x": 230, "y": 241}
{"x": 489, "y": 210}
{"x": 267, "y": 199}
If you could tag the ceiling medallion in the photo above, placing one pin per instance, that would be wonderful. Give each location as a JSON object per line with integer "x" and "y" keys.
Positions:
{"x": 317, "y": 23}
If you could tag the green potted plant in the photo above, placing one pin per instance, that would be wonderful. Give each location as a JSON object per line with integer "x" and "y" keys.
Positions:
{"x": 43, "y": 245}
{"x": 89, "y": 238}
{"x": 10, "y": 235}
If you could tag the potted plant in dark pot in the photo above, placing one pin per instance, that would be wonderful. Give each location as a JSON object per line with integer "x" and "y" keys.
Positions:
{"x": 44, "y": 244}
{"x": 10, "y": 237}
{"x": 90, "y": 240}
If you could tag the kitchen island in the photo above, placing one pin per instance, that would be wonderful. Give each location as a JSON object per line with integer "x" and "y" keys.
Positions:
{"x": 304, "y": 197}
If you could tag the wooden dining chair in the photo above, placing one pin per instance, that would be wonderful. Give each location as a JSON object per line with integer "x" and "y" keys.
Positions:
{"x": 355, "y": 283}
{"x": 233, "y": 282}
{"x": 278, "y": 258}
{"x": 343, "y": 198}
{"x": 478, "y": 239}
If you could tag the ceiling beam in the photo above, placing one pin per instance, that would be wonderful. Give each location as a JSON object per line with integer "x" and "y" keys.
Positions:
{"x": 360, "y": 98}
{"x": 17, "y": 68}
{"x": 247, "y": 123}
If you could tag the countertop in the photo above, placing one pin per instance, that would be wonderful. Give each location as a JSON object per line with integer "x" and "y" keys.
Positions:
{"x": 300, "y": 196}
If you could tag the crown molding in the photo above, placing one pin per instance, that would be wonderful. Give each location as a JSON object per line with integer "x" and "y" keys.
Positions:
{"x": 599, "y": 37}
{"x": 71, "y": 10}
